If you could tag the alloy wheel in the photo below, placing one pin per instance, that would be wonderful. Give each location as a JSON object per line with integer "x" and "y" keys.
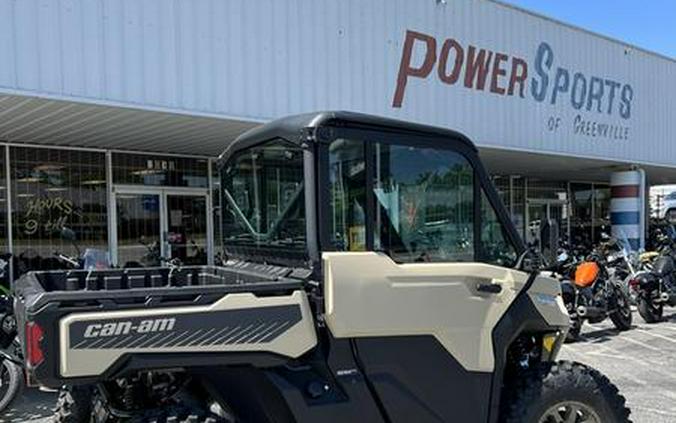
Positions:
{"x": 570, "y": 412}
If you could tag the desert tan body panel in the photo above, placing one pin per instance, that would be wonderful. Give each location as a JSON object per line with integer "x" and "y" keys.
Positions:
{"x": 369, "y": 295}
{"x": 545, "y": 294}
{"x": 291, "y": 338}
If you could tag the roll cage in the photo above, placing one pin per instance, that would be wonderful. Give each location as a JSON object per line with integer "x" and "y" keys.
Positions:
{"x": 315, "y": 132}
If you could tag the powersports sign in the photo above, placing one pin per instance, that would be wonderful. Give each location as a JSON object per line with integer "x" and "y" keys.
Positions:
{"x": 543, "y": 79}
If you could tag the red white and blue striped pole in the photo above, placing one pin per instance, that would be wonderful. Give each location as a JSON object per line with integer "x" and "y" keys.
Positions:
{"x": 627, "y": 207}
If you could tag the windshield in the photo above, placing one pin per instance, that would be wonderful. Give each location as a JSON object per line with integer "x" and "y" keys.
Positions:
{"x": 263, "y": 200}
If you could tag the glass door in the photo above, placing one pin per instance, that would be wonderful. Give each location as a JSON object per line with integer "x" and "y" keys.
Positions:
{"x": 139, "y": 229}
{"x": 154, "y": 224}
{"x": 186, "y": 217}
{"x": 539, "y": 211}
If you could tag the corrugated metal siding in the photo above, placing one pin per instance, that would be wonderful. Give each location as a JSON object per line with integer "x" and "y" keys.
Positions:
{"x": 260, "y": 59}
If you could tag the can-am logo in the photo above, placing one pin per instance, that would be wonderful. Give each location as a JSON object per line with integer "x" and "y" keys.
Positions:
{"x": 97, "y": 330}
{"x": 502, "y": 74}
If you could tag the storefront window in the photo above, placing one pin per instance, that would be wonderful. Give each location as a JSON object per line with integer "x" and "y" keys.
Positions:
{"x": 501, "y": 184}
{"x": 601, "y": 221}
{"x": 217, "y": 210}
{"x": 53, "y": 189}
{"x": 496, "y": 246}
{"x": 518, "y": 209}
{"x": 3, "y": 203}
{"x": 581, "y": 201}
{"x": 4, "y": 259}
{"x": 146, "y": 169}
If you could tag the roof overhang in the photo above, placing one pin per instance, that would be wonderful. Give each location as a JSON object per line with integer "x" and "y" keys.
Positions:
{"x": 55, "y": 122}
{"x": 566, "y": 168}
{"x": 37, "y": 120}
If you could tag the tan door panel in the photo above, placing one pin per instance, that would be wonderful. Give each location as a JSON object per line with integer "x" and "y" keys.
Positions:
{"x": 369, "y": 295}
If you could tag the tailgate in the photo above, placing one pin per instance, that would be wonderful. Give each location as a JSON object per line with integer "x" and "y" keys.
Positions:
{"x": 89, "y": 335}
{"x": 90, "y": 344}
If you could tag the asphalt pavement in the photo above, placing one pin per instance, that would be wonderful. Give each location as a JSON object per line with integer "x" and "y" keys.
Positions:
{"x": 641, "y": 362}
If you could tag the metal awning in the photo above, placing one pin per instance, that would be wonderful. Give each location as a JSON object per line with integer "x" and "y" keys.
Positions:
{"x": 46, "y": 121}
{"x": 566, "y": 168}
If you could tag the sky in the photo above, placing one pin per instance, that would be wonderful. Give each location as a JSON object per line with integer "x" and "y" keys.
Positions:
{"x": 650, "y": 24}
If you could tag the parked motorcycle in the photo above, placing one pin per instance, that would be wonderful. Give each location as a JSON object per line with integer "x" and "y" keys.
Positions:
{"x": 11, "y": 358}
{"x": 656, "y": 289}
{"x": 592, "y": 295}
{"x": 11, "y": 371}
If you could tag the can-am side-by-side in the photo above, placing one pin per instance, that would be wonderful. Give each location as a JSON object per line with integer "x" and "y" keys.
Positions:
{"x": 372, "y": 275}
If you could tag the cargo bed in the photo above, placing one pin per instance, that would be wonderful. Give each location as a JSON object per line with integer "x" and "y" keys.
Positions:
{"x": 81, "y": 326}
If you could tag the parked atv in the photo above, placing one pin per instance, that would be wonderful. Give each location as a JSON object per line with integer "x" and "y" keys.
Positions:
{"x": 373, "y": 275}
{"x": 593, "y": 295}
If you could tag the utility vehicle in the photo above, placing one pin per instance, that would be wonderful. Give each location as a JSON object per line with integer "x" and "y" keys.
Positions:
{"x": 372, "y": 275}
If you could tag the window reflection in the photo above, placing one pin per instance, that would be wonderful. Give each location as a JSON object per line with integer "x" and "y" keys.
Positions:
{"x": 53, "y": 188}
{"x": 425, "y": 204}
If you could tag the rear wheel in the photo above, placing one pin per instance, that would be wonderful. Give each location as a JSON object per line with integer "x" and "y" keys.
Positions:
{"x": 563, "y": 392}
{"x": 621, "y": 316}
{"x": 74, "y": 405}
{"x": 11, "y": 382}
{"x": 649, "y": 311}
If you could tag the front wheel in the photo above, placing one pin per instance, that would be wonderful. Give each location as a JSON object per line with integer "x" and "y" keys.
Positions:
{"x": 621, "y": 316}
{"x": 563, "y": 392}
{"x": 650, "y": 312}
{"x": 11, "y": 382}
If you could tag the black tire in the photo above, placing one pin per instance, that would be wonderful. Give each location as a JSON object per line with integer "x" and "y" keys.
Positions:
{"x": 671, "y": 215}
{"x": 648, "y": 311}
{"x": 11, "y": 383}
{"x": 178, "y": 414}
{"x": 622, "y": 316}
{"x": 538, "y": 391}
{"x": 74, "y": 405}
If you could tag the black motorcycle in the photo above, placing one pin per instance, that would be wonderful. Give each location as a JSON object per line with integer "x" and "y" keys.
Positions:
{"x": 592, "y": 295}
{"x": 656, "y": 289}
{"x": 11, "y": 370}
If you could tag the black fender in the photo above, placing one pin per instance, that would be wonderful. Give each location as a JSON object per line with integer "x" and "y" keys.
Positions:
{"x": 246, "y": 390}
{"x": 647, "y": 282}
{"x": 521, "y": 317}
{"x": 568, "y": 290}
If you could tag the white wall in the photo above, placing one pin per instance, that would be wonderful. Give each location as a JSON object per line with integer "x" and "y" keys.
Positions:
{"x": 260, "y": 59}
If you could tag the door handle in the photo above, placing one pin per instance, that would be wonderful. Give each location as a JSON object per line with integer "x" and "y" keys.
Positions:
{"x": 489, "y": 288}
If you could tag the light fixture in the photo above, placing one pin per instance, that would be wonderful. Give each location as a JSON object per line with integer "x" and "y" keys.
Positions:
{"x": 48, "y": 167}
{"x": 94, "y": 182}
{"x": 29, "y": 179}
{"x": 146, "y": 172}
{"x": 56, "y": 189}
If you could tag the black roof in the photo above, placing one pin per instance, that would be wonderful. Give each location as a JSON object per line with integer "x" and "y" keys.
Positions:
{"x": 290, "y": 128}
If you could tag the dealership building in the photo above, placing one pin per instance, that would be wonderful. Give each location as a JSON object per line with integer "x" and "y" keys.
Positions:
{"x": 112, "y": 113}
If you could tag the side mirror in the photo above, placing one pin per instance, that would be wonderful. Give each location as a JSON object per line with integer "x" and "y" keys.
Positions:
{"x": 530, "y": 261}
{"x": 67, "y": 234}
